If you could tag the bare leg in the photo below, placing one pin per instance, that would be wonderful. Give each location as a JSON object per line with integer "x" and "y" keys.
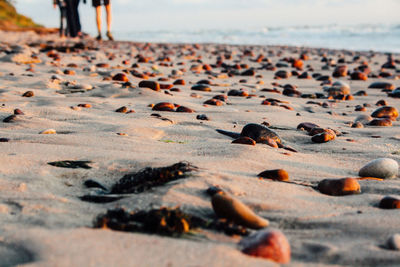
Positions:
{"x": 108, "y": 11}
{"x": 98, "y": 19}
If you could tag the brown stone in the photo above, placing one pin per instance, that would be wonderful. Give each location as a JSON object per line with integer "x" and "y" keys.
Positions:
{"x": 184, "y": 109}
{"x": 283, "y": 74}
{"x": 122, "y": 109}
{"x": 150, "y": 84}
{"x": 306, "y": 126}
{"x": 340, "y": 71}
{"x": 386, "y": 112}
{"x": 384, "y": 122}
{"x": 179, "y": 82}
{"x": 382, "y": 85}
{"x": 339, "y": 187}
{"x": 389, "y": 203}
{"x": 164, "y": 106}
{"x": 121, "y": 77}
{"x": 359, "y": 76}
{"x": 214, "y": 102}
{"x": 28, "y": 94}
{"x": 323, "y": 137}
{"x": 277, "y": 175}
{"x": 268, "y": 244}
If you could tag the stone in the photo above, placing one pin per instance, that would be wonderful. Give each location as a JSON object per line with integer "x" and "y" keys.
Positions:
{"x": 11, "y": 118}
{"x": 389, "y": 203}
{"x": 164, "y": 106}
{"x": 340, "y": 71}
{"x": 151, "y": 85}
{"x": 269, "y": 244}
{"x": 386, "y": 112}
{"x": 323, "y": 137}
{"x": 393, "y": 242}
{"x": 364, "y": 119}
{"x": 306, "y": 126}
{"x": 276, "y": 175}
{"x": 339, "y": 187}
{"x": 358, "y": 76}
{"x": 201, "y": 87}
{"x": 214, "y": 102}
{"x": 382, "y": 85}
{"x": 122, "y": 110}
{"x": 202, "y": 117}
{"x": 380, "y": 168}
{"x": 283, "y": 74}
{"x": 244, "y": 140}
{"x": 48, "y": 131}
{"x": 380, "y": 122}
{"x": 121, "y": 77}
{"x": 184, "y": 109}
{"x": 234, "y": 210}
{"x": 28, "y": 94}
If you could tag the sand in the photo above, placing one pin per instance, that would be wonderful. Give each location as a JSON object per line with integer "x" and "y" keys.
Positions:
{"x": 43, "y": 222}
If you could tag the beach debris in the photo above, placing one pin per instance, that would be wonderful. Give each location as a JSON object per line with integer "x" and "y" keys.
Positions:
{"x": 393, "y": 242}
{"x": 260, "y": 134}
{"x": 72, "y": 164}
{"x": 149, "y": 177}
{"x": 270, "y": 244}
{"x": 276, "y": 175}
{"x": 389, "y": 202}
{"x": 339, "y": 187}
{"x": 385, "y": 168}
{"x": 386, "y": 112}
{"x": 244, "y": 140}
{"x": 233, "y": 210}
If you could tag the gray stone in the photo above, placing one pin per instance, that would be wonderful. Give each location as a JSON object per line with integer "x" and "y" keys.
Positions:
{"x": 380, "y": 168}
{"x": 393, "y": 242}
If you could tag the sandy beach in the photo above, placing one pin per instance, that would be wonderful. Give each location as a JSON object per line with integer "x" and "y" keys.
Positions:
{"x": 75, "y": 113}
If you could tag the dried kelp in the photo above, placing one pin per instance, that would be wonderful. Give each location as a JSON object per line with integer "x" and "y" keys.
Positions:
{"x": 150, "y": 177}
{"x": 73, "y": 164}
{"x": 162, "y": 221}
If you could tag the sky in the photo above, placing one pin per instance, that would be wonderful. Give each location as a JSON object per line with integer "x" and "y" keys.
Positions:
{"x": 139, "y": 15}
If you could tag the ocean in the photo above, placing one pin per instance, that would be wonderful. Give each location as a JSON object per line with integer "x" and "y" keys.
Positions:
{"x": 382, "y": 38}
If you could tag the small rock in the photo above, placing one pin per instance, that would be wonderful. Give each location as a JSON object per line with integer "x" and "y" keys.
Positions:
{"x": 48, "y": 131}
{"x": 120, "y": 77}
{"x": 364, "y": 119}
{"x": 28, "y": 94}
{"x": 269, "y": 244}
{"x": 122, "y": 110}
{"x": 380, "y": 168}
{"x": 386, "y": 112}
{"x": 306, "y": 126}
{"x": 201, "y": 87}
{"x": 17, "y": 111}
{"x": 380, "y": 122}
{"x": 164, "y": 106}
{"x": 389, "y": 203}
{"x": 326, "y": 136}
{"x": 382, "y": 85}
{"x": 184, "y": 109}
{"x": 339, "y": 187}
{"x": 151, "y": 85}
{"x": 202, "y": 117}
{"x": 393, "y": 242}
{"x": 277, "y": 175}
{"x": 234, "y": 210}
{"x": 11, "y": 118}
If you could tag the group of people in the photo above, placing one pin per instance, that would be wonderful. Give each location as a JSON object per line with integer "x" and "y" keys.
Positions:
{"x": 70, "y": 24}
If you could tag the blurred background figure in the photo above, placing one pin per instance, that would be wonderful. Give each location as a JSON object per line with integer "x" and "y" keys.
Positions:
{"x": 73, "y": 21}
{"x": 63, "y": 16}
{"x": 97, "y": 4}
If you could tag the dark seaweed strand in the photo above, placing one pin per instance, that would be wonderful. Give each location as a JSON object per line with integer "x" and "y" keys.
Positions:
{"x": 150, "y": 177}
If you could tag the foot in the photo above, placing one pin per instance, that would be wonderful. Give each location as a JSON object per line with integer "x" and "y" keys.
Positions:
{"x": 110, "y": 37}
{"x": 98, "y": 38}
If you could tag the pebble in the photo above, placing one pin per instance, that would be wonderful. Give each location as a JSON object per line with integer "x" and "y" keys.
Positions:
{"x": 389, "y": 203}
{"x": 202, "y": 117}
{"x": 306, "y": 126}
{"x": 326, "y": 136}
{"x": 270, "y": 244}
{"x": 28, "y": 94}
{"x": 214, "y": 102}
{"x": 386, "y": 112}
{"x": 364, "y": 119}
{"x": 340, "y": 71}
{"x": 11, "y": 118}
{"x": 380, "y": 122}
{"x": 184, "y": 109}
{"x": 393, "y": 242}
{"x": 48, "y": 131}
{"x": 358, "y": 76}
{"x": 380, "y": 168}
{"x": 151, "y": 85}
{"x": 276, "y": 175}
{"x": 122, "y": 110}
{"x": 164, "y": 106}
{"x": 382, "y": 85}
{"x": 201, "y": 87}
{"x": 339, "y": 187}
{"x": 234, "y": 210}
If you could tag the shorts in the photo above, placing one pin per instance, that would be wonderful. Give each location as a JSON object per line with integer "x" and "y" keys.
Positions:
{"x": 97, "y": 3}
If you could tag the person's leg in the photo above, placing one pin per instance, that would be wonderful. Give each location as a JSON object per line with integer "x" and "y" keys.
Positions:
{"x": 78, "y": 21}
{"x": 108, "y": 11}
{"x": 98, "y": 21}
{"x": 71, "y": 21}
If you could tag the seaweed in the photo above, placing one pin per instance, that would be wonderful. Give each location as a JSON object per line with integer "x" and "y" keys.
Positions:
{"x": 162, "y": 221}
{"x": 71, "y": 164}
{"x": 147, "y": 178}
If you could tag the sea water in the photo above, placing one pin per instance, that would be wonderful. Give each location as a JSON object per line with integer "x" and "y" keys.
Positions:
{"x": 383, "y": 38}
